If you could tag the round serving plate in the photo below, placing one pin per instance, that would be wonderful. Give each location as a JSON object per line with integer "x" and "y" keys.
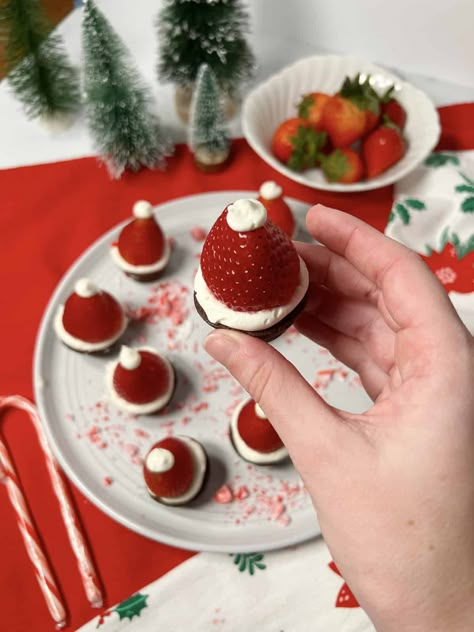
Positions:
{"x": 101, "y": 449}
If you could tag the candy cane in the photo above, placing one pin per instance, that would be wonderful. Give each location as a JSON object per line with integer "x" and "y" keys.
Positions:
{"x": 31, "y": 539}
{"x": 76, "y": 538}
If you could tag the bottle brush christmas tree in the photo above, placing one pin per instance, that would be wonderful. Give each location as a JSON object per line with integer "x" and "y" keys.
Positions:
{"x": 208, "y": 134}
{"x": 195, "y": 32}
{"x": 39, "y": 73}
{"x": 119, "y": 107}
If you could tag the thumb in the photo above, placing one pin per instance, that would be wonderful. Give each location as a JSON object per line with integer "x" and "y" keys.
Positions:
{"x": 301, "y": 418}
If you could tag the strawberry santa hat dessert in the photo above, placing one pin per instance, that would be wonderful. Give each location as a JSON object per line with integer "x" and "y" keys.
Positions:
{"x": 271, "y": 196}
{"x": 91, "y": 320}
{"x": 250, "y": 277}
{"x": 253, "y": 437}
{"x": 175, "y": 470}
{"x": 141, "y": 381}
{"x": 141, "y": 251}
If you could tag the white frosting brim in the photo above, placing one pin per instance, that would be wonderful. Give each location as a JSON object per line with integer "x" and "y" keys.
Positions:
{"x": 134, "y": 408}
{"x": 200, "y": 467}
{"x": 217, "y": 312}
{"x": 82, "y": 345}
{"x": 148, "y": 269}
{"x": 248, "y": 453}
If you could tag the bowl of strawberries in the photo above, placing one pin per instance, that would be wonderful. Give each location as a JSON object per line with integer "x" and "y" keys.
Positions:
{"x": 340, "y": 123}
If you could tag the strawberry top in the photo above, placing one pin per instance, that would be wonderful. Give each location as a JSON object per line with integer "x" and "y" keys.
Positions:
{"x": 141, "y": 376}
{"x": 255, "y": 429}
{"x": 92, "y": 315}
{"x": 278, "y": 210}
{"x": 168, "y": 468}
{"x": 141, "y": 242}
{"x": 249, "y": 269}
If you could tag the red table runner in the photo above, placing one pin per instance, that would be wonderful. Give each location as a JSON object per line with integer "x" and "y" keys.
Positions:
{"x": 50, "y": 214}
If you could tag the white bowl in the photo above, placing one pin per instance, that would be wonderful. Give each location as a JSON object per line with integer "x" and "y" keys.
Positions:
{"x": 276, "y": 99}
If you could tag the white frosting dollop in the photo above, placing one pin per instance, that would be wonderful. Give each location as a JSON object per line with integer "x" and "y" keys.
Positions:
{"x": 85, "y": 288}
{"x": 83, "y": 345}
{"x": 248, "y": 453}
{"x": 270, "y": 190}
{"x": 259, "y": 412}
{"x": 159, "y": 460}
{"x": 145, "y": 269}
{"x": 246, "y": 215}
{"x": 134, "y": 408}
{"x": 129, "y": 358}
{"x": 218, "y": 312}
{"x": 142, "y": 209}
{"x": 200, "y": 466}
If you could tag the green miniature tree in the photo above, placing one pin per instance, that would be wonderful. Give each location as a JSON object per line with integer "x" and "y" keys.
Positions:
{"x": 208, "y": 127}
{"x": 39, "y": 73}
{"x": 195, "y": 32}
{"x": 119, "y": 107}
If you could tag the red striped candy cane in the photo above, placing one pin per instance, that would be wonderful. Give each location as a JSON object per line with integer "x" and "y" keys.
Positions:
{"x": 76, "y": 538}
{"x": 31, "y": 539}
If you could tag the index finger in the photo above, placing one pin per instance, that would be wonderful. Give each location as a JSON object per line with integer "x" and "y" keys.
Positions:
{"x": 411, "y": 293}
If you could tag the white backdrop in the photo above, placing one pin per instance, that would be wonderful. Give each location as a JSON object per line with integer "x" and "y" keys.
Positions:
{"x": 430, "y": 37}
{"x": 282, "y": 32}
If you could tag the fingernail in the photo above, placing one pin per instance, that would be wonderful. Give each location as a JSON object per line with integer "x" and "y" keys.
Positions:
{"x": 221, "y": 344}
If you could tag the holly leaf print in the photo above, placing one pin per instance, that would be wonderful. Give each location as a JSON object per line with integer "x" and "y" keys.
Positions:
{"x": 249, "y": 562}
{"x": 468, "y": 205}
{"x": 417, "y": 205}
{"x": 439, "y": 159}
{"x": 464, "y": 188}
{"x": 131, "y": 607}
{"x": 403, "y": 213}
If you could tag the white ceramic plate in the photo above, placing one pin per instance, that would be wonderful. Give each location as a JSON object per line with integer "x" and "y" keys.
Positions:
{"x": 275, "y": 100}
{"x": 101, "y": 449}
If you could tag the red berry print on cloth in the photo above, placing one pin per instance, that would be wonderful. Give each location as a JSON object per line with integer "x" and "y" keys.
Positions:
{"x": 345, "y": 598}
{"x": 250, "y": 271}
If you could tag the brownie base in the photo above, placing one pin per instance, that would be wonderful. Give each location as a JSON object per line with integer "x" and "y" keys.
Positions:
{"x": 205, "y": 478}
{"x": 267, "y": 335}
{"x": 145, "y": 278}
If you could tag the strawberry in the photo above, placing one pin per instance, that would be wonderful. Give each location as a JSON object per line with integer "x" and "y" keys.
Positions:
{"x": 141, "y": 242}
{"x": 175, "y": 481}
{"x": 393, "y": 109}
{"x": 297, "y": 144}
{"x": 311, "y": 108}
{"x": 256, "y": 432}
{"x": 250, "y": 271}
{"x": 364, "y": 96}
{"x": 146, "y": 383}
{"x": 92, "y": 319}
{"x": 344, "y": 121}
{"x": 278, "y": 210}
{"x": 343, "y": 165}
{"x": 382, "y": 148}
{"x": 280, "y": 214}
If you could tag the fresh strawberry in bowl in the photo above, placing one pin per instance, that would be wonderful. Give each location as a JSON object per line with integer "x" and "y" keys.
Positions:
{"x": 343, "y": 165}
{"x": 311, "y": 108}
{"x": 393, "y": 109}
{"x": 382, "y": 148}
{"x": 296, "y": 144}
{"x": 250, "y": 276}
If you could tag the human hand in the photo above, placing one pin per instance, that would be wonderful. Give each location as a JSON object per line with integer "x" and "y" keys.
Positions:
{"x": 393, "y": 487}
